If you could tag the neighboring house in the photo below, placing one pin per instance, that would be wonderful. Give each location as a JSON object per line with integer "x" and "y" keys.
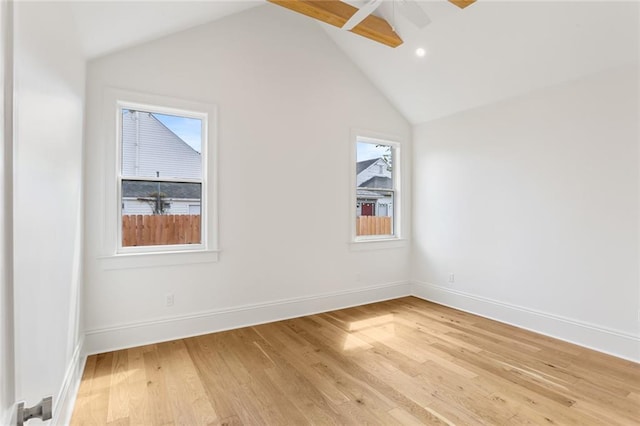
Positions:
{"x": 140, "y": 197}
{"x": 151, "y": 150}
{"x": 373, "y": 177}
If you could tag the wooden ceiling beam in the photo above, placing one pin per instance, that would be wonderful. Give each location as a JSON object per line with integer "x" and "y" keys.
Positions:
{"x": 337, "y": 13}
{"x": 462, "y": 3}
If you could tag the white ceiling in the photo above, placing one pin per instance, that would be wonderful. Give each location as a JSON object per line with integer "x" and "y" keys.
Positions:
{"x": 107, "y": 26}
{"x": 489, "y": 51}
{"x": 494, "y": 50}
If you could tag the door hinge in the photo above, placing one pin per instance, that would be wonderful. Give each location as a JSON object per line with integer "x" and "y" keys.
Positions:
{"x": 41, "y": 410}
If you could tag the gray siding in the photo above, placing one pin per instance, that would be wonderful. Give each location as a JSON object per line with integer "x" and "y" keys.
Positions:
{"x": 159, "y": 149}
{"x": 378, "y": 168}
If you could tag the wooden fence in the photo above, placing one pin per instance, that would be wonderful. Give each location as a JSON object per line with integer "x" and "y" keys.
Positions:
{"x": 373, "y": 225}
{"x": 148, "y": 230}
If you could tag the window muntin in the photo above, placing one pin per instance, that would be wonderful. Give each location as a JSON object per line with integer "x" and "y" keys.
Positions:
{"x": 376, "y": 190}
{"x": 161, "y": 179}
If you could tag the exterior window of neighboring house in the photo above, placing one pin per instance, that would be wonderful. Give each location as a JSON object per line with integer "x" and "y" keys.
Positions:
{"x": 160, "y": 178}
{"x": 376, "y": 189}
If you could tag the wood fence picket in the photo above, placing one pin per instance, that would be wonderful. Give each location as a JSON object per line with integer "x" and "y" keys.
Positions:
{"x": 373, "y": 225}
{"x": 151, "y": 230}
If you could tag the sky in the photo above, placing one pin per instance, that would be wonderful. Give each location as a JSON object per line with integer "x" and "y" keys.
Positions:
{"x": 188, "y": 129}
{"x": 367, "y": 151}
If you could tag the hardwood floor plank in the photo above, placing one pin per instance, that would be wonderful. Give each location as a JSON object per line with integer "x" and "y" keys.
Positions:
{"x": 403, "y": 361}
{"x": 250, "y": 355}
{"x": 410, "y": 395}
{"x": 139, "y": 405}
{"x": 491, "y": 367}
{"x": 270, "y": 403}
{"x": 299, "y": 390}
{"x": 215, "y": 373}
{"x": 302, "y": 395}
{"x": 101, "y": 390}
{"x": 122, "y": 421}
{"x": 188, "y": 398}
{"x": 119, "y": 395}
{"x": 226, "y": 349}
{"x": 404, "y": 418}
{"x": 87, "y": 392}
{"x": 530, "y": 413}
{"x": 610, "y": 416}
{"x": 374, "y": 378}
{"x": 302, "y": 359}
{"x": 463, "y": 396}
{"x": 361, "y": 413}
{"x": 157, "y": 394}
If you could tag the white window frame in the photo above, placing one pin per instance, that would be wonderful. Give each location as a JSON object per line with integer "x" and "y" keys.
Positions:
{"x": 156, "y": 109}
{"x": 114, "y": 254}
{"x": 381, "y": 241}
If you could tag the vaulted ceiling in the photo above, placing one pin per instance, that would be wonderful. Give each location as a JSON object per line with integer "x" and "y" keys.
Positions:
{"x": 489, "y": 51}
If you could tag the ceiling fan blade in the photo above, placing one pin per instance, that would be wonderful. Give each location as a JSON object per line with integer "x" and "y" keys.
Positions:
{"x": 411, "y": 10}
{"x": 361, "y": 14}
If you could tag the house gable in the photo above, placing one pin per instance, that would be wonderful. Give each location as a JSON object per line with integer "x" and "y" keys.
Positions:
{"x": 369, "y": 169}
{"x": 160, "y": 151}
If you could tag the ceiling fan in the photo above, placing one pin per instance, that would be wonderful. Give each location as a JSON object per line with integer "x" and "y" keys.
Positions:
{"x": 408, "y": 8}
{"x": 361, "y": 21}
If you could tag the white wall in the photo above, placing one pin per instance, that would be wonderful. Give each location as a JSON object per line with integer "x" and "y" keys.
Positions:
{"x": 286, "y": 98}
{"x": 7, "y": 384}
{"x": 533, "y": 204}
{"x": 49, "y": 91}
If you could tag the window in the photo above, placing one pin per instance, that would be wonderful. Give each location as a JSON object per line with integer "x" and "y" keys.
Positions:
{"x": 376, "y": 189}
{"x": 161, "y": 178}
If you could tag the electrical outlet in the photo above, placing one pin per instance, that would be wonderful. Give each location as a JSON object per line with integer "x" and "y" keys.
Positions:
{"x": 452, "y": 278}
{"x": 168, "y": 300}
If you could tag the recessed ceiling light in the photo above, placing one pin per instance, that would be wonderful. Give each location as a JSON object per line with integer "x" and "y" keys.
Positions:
{"x": 420, "y": 52}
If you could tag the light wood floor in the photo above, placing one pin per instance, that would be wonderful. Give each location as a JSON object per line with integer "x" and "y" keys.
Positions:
{"x": 404, "y": 361}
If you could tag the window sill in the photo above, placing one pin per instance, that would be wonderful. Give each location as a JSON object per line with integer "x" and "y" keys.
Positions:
{"x": 150, "y": 260}
{"x": 378, "y": 244}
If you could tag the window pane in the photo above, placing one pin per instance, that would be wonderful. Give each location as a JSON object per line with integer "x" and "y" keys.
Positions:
{"x": 158, "y": 145}
{"x": 160, "y": 213}
{"x": 374, "y": 166}
{"x": 374, "y": 192}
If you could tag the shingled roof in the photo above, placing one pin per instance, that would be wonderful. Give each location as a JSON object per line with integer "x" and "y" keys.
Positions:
{"x": 362, "y": 165}
{"x": 379, "y": 182}
{"x": 144, "y": 189}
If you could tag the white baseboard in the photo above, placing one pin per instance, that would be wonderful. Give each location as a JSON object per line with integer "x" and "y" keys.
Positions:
{"x": 63, "y": 407}
{"x": 178, "y": 327}
{"x": 613, "y": 342}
